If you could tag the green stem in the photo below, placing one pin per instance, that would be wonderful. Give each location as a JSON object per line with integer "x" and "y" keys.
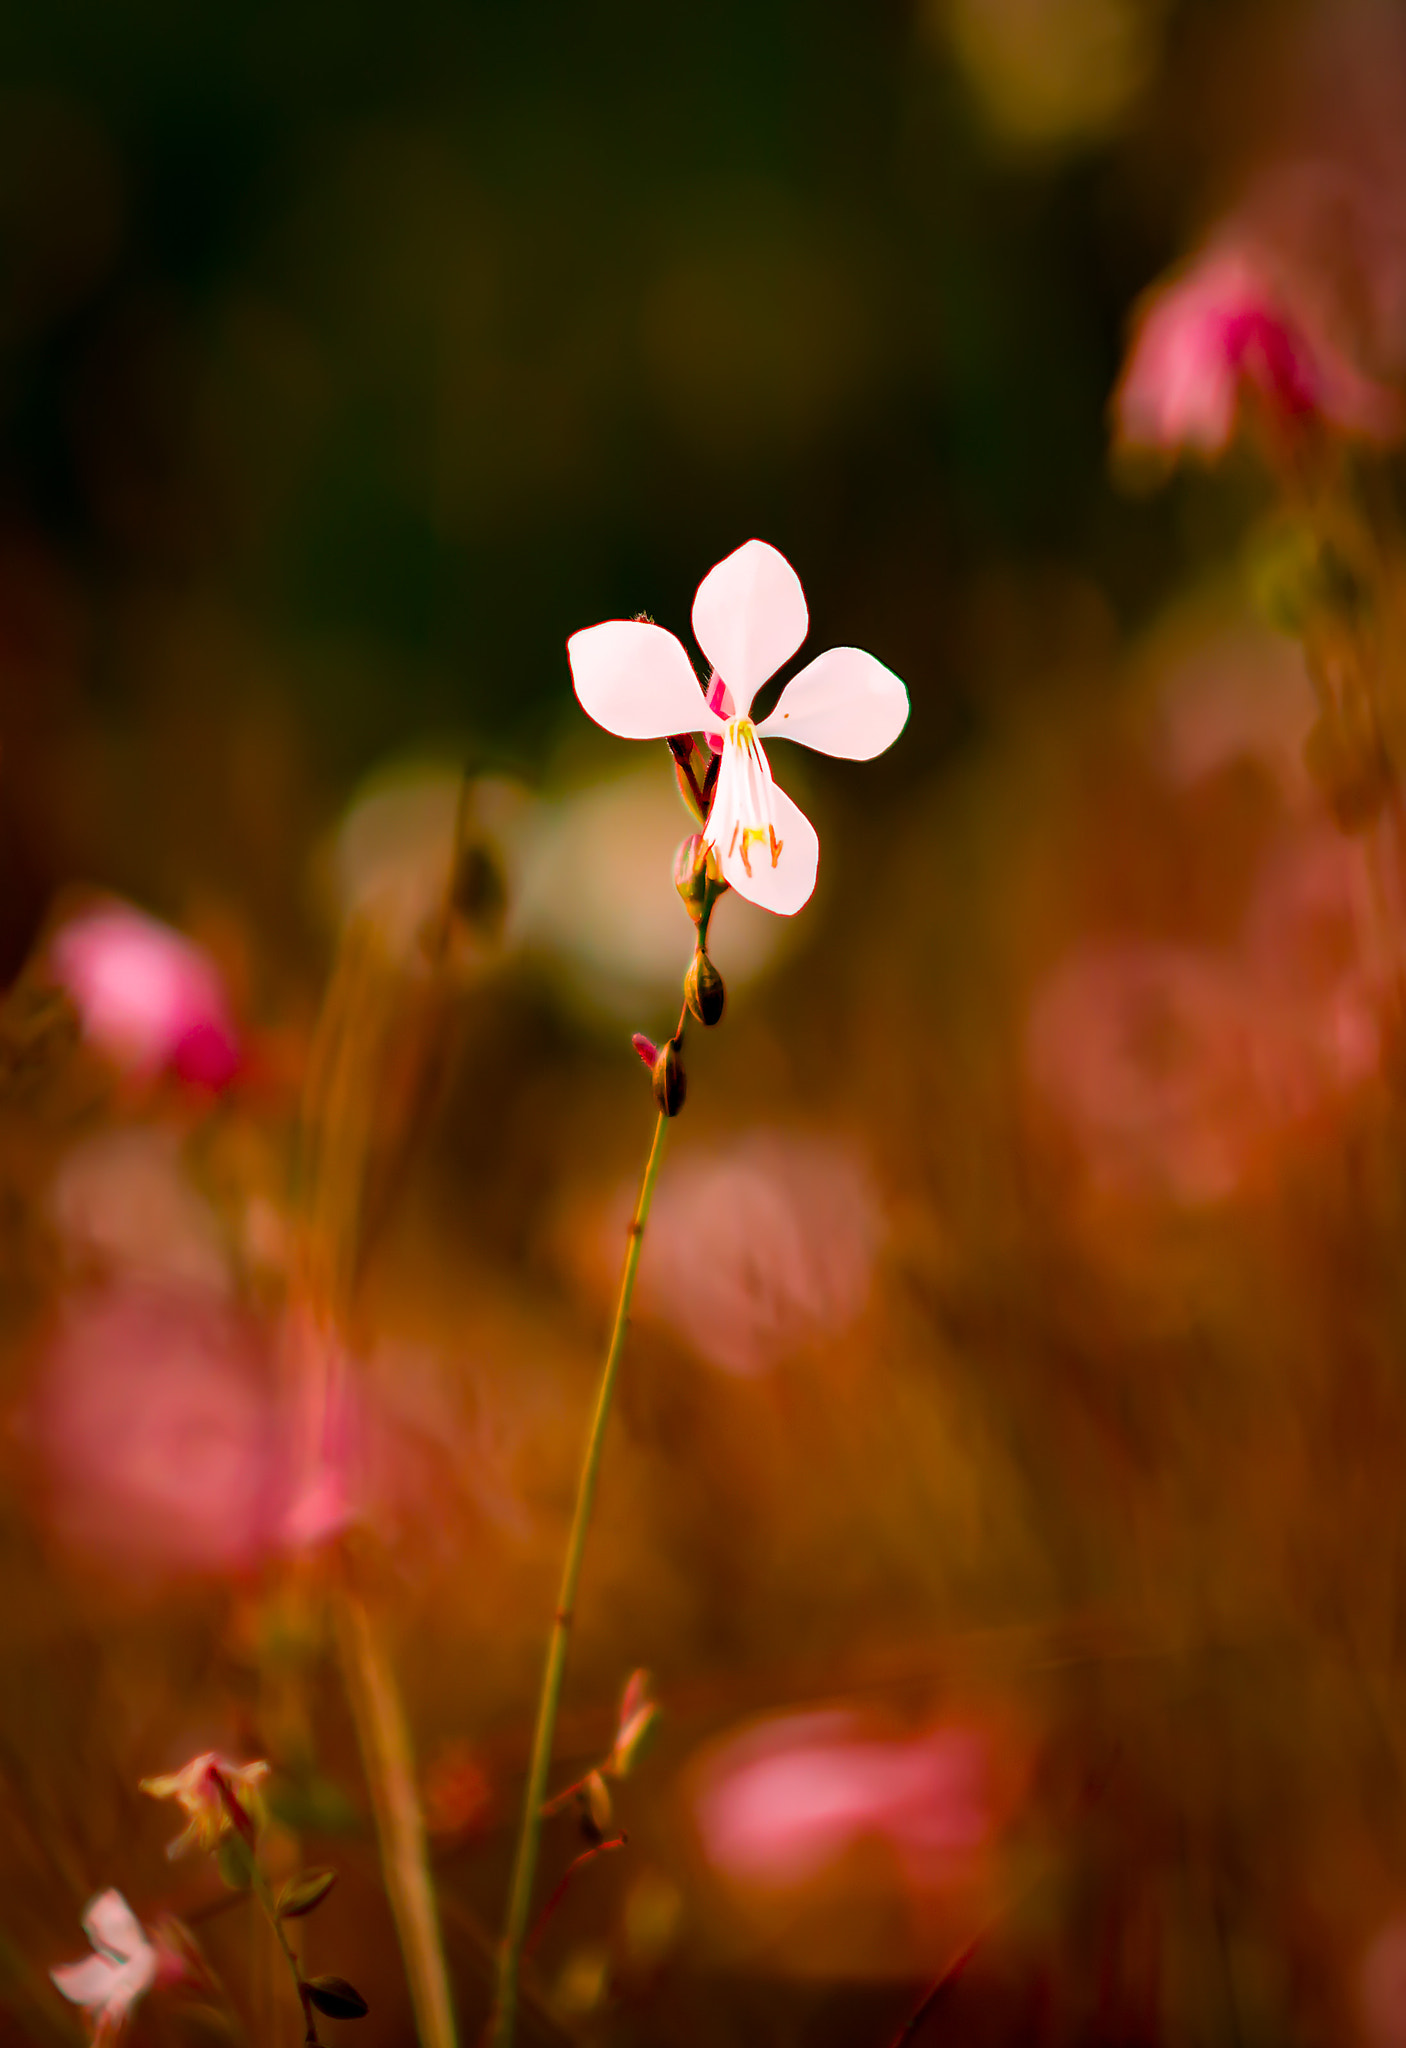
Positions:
{"x": 263, "y": 1892}
{"x": 504, "y": 2017}
{"x": 244, "y": 1837}
{"x": 384, "y": 1740}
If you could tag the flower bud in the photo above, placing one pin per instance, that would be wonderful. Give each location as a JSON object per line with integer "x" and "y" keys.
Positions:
{"x": 595, "y": 1808}
{"x": 638, "y": 1719}
{"x": 698, "y": 882}
{"x": 670, "y": 1081}
{"x": 703, "y": 989}
{"x": 689, "y": 761}
{"x": 691, "y": 875}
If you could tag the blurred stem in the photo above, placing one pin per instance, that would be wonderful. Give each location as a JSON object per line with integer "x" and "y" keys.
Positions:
{"x": 264, "y": 1894}
{"x": 504, "y": 2016}
{"x": 347, "y": 1076}
{"x": 384, "y": 1740}
{"x": 243, "y": 1836}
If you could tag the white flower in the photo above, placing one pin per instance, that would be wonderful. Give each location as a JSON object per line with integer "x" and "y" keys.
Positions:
{"x": 121, "y": 1969}
{"x": 749, "y": 617}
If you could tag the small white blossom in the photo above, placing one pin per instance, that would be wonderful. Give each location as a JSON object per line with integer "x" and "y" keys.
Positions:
{"x": 749, "y": 617}
{"x": 121, "y": 1969}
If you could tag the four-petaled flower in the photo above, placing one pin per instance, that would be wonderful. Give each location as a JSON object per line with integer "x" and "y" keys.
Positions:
{"x": 215, "y": 1794}
{"x": 749, "y": 617}
{"x": 121, "y": 1969}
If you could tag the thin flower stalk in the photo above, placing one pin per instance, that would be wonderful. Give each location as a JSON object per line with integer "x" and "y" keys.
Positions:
{"x": 336, "y": 1140}
{"x": 243, "y": 1837}
{"x": 384, "y": 1739}
{"x": 504, "y": 2017}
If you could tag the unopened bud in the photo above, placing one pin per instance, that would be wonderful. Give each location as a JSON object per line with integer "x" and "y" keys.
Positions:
{"x": 637, "y": 1721}
{"x": 595, "y": 1807}
{"x": 703, "y": 989}
{"x": 688, "y": 789}
{"x": 691, "y": 875}
{"x": 670, "y": 1081}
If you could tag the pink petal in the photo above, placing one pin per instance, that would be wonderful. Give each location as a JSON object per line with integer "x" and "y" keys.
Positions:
{"x": 748, "y": 617}
{"x": 787, "y": 886}
{"x": 86, "y": 1983}
{"x": 148, "y": 998}
{"x": 110, "y": 1924}
{"x": 843, "y": 703}
{"x": 635, "y": 680}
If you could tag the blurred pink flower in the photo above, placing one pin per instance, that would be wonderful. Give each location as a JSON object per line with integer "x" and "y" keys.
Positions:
{"x": 1231, "y": 320}
{"x": 124, "y": 1201}
{"x": 1147, "y": 1052}
{"x": 1230, "y": 692}
{"x": 205, "y": 1789}
{"x": 173, "y": 1435}
{"x": 150, "y": 1000}
{"x": 749, "y": 616}
{"x": 1182, "y": 1071}
{"x": 155, "y": 1432}
{"x": 780, "y": 1802}
{"x": 1308, "y": 948}
{"x": 377, "y": 1439}
{"x": 122, "y": 1969}
{"x": 757, "y": 1251}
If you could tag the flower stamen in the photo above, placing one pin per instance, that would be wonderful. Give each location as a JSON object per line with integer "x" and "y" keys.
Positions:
{"x": 747, "y": 797}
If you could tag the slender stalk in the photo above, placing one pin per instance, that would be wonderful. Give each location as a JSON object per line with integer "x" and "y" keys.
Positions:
{"x": 400, "y": 1829}
{"x": 363, "y": 1012}
{"x": 243, "y": 1837}
{"x": 573, "y": 1869}
{"x": 504, "y": 2016}
{"x": 263, "y": 1892}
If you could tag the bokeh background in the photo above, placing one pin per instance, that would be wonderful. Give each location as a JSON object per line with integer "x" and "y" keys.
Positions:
{"x": 1005, "y": 1491}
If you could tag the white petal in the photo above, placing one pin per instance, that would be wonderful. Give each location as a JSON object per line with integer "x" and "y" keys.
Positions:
{"x": 636, "y": 680}
{"x": 843, "y": 703}
{"x": 111, "y": 1925}
{"x": 88, "y": 1982}
{"x": 748, "y": 617}
{"x": 786, "y": 886}
{"x": 132, "y": 1981}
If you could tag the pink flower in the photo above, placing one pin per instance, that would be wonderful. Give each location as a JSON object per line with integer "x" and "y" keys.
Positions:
{"x": 784, "y": 1800}
{"x": 749, "y": 616}
{"x": 149, "y": 1000}
{"x": 1234, "y": 320}
{"x": 121, "y": 1970}
{"x": 788, "y": 1229}
{"x": 1183, "y": 1072}
{"x": 215, "y": 1795}
{"x": 156, "y": 1434}
{"x": 1148, "y": 1053}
